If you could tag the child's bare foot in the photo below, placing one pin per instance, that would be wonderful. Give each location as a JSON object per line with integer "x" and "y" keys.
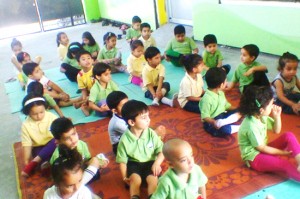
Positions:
{"x": 85, "y": 110}
{"x": 24, "y": 174}
{"x": 78, "y": 104}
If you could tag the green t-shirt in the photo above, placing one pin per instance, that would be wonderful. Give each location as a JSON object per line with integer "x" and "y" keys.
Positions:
{"x": 72, "y": 62}
{"x": 170, "y": 186}
{"x": 132, "y": 33}
{"x": 142, "y": 149}
{"x": 253, "y": 133}
{"x": 51, "y": 102}
{"x": 98, "y": 93}
{"x": 185, "y": 47}
{"x": 212, "y": 60}
{"x": 92, "y": 49}
{"x": 81, "y": 147}
{"x": 213, "y": 104}
{"x": 109, "y": 54}
{"x": 241, "y": 78}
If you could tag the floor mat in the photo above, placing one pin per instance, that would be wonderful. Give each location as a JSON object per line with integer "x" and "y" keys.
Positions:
{"x": 218, "y": 157}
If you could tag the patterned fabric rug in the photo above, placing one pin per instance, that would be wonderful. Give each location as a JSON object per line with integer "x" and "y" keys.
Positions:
{"x": 218, "y": 157}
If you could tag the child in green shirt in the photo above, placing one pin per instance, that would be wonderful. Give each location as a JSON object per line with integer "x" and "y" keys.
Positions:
{"x": 89, "y": 44}
{"x": 184, "y": 179}
{"x": 134, "y": 32}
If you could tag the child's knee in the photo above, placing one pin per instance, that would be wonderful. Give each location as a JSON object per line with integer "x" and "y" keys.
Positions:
{"x": 135, "y": 178}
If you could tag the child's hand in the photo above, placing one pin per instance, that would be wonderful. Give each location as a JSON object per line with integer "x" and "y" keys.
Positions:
{"x": 296, "y": 108}
{"x": 249, "y": 72}
{"x": 104, "y": 107}
{"x": 167, "y": 58}
{"x": 161, "y": 131}
{"x": 276, "y": 110}
{"x": 156, "y": 169}
{"x": 158, "y": 94}
{"x": 284, "y": 152}
{"x": 116, "y": 61}
{"x": 94, "y": 54}
{"x": 126, "y": 180}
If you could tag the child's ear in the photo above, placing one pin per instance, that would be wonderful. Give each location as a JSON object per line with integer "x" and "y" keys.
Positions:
{"x": 30, "y": 76}
{"x": 131, "y": 122}
{"x": 114, "y": 110}
{"x": 170, "y": 164}
{"x": 252, "y": 58}
{"x": 97, "y": 77}
{"x": 56, "y": 142}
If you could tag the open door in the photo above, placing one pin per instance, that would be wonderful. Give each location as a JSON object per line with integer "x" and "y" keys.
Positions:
{"x": 180, "y": 11}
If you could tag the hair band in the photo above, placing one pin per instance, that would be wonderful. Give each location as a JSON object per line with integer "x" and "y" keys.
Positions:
{"x": 257, "y": 103}
{"x": 34, "y": 100}
{"x": 74, "y": 47}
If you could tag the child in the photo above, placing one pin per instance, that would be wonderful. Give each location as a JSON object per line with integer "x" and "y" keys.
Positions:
{"x": 70, "y": 65}
{"x": 134, "y": 32}
{"x": 65, "y": 133}
{"x": 24, "y": 58}
{"x": 217, "y": 113}
{"x": 256, "y": 105}
{"x": 102, "y": 87}
{"x": 62, "y": 41}
{"x": 136, "y": 62}
{"x": 184, "y": 179}
{"x": 249, "y": 72}
{"x": 67, "y": 176}
{"x": 146, "y": 36}
{"x": 117, "y": 125}
{"x": 89, "y": 44}
{"x": 285, "y": 82}
{"x": 139, "y": 150}
{"x": 153, "y": 79}
{"x": 38, "y": 89}
{"x": 34, "y": 73}
{"x": 191, "y": 86}
{"x": 37, "y": 141}
{"x": 110, "y": 54}
{"x": 212, "y": 56}
{"x": 180, "y": 45}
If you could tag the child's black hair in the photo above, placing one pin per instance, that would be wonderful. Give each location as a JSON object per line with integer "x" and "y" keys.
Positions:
{"x": 209, "y": 39}
{"x": 14, "y": 43}
{"x": 114, "y": 98}
{"x": 31, "y": 100}
{"x": 21, "y": 56}
{"x": 179, "y": 29}
{"x": 132, "y": 109}
{"x": 89, "y": 37}
{"x": 60, "y": 126}
{"x": 254, "y": 98}
{"x": 35, "y": 88}
{"x": 285, "y": 58}
{"x": 215, "y": 77}
{"x": 151, "y": 52}
{"x": 136, "y": 19}
{"x": 58, "y": 37}
{"x": 107, "y": 36}
{"x": 100, "y": 68}
{"x": 190, "y": 61}
{"x": 28, "y": 68}
{"x": 145, "y": 25}
{"x": 68, "y": 160}
{"x": 74, "y": 48}
{"x": 82, "y": 52}
{"x": 252, "y": 49}
{"x": 135, "y": 43}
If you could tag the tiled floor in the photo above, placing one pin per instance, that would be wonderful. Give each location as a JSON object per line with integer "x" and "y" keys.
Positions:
{"x": 44, "y": 44}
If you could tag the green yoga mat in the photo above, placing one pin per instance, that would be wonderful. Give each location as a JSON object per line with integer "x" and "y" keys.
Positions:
{"x": 284, "y": 190}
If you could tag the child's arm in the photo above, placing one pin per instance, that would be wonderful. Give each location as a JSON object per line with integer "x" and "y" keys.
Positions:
{"x": 60, "y": 93}
{"x": 220, "y": 63}
{"x": 230, "y": 85}
{"x": 202, "y": 191}
{"x": 276, "y": 111}
{"x": 84, "y": 93}
{"x": 156, "y": 168}
{"x": 123, "y": 169}
{"x": 272, "y": 151}
{"x": 279, "y": 92}
{"x": 151, "y": 89}
{"x": 27, "y": 154}
{"x": 159, "y": 87}
{"x": 16, "y": 64}
{"x": 254, "y": 69}
{"x": 298, "y": 83}
{"x": 58, "y": 111}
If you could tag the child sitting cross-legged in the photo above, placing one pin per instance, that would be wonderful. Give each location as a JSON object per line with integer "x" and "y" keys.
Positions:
{"x": 65, "y": 133}
{"x": 153, "y": 79}
{"x": 117, "y": 125}
{"x": 139, "y": 150}
{"x": 184, "y": 179}
{"x": 217, "y": 113}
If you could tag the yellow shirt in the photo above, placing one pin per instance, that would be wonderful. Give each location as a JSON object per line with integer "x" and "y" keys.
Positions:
{"x": 151, "y": 75}
{"x": 37, "y": 133}
{"x": 62, "y": 51}
{"x": 135, "y": 64}
{"x": 85, "y": 80}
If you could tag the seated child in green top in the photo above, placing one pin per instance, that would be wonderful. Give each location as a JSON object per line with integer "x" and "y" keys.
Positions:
{"x": 65, "y": 133}
{"x": 89, "y": 44}
{"x": 184, "y": 179}
{"x": 102, "y": 87}
{"x": 139, "y": 150}
{"x": 180, "y": 45}
{"x": 110, "y": 53}
{"x": 134, "y": 32}
{"x": 212, "y": 56}
{"x": 249, "y": 72}
{"x": 217, "y": 113}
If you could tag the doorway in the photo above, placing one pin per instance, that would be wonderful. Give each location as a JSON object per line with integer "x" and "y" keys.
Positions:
{"x": 180, "y": 11}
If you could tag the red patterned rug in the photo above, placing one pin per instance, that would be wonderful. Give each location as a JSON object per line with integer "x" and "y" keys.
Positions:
{"x": 218, "y": 157}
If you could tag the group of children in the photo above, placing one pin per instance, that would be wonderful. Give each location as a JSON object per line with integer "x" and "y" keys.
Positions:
{"x": 140, "y": 150}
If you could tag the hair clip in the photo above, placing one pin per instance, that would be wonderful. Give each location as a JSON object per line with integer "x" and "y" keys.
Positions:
{"x": 257, "y": 103}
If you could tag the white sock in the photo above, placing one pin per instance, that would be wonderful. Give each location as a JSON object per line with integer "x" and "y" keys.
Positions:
{"x": 167, "y": 101}
{"x": 229, "y": 120}
{"x": 155, "y": 102}
{"x": 234, "y": 128}
{"x": 163, "y": 91}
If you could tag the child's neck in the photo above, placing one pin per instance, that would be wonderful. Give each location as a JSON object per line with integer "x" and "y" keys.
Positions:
{"x": 136, "y": 132}
{"x": 152, "y": 66}
{"x": 193, "y": 75}
{"x": 183, "y": 176}
{"x": 86, "y": 69}
{"x": 146, "y": 38}
{"x": 248, "y": 63}
{"x": 109, "y": 47}
{"x": 215, "y": 90}
{"x": 103, "y": 84}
